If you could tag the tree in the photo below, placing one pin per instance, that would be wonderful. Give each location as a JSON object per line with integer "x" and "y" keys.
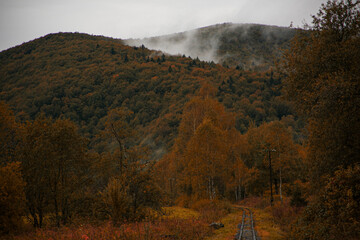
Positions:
{"x": 9, "y": 136}
{"x": 205, "y": 155}
{"x": 54, "y": 166}
{"x": 130, "y": 196}
{"x": 168, "y": 175}
{"x": 12, "y": 197}
{"x": 338, "y": 205}
{"x": 242, "y": 178}
{"x": 280, "y": 139}
{"x": 117, "y": 127}
{"x": 199, "y": 154}
{"x": 323, "y": 80}
{"x": 272, "y": 140}
{"x": 199, "y": 108}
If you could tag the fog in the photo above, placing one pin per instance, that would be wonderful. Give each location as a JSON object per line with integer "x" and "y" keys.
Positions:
{"x": 215, "y": 43}
{"x": 24, "y": 20}
{"x": 185, "y": 43}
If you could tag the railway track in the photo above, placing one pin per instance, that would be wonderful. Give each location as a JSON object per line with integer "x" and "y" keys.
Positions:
{"x": 246, "y": 227}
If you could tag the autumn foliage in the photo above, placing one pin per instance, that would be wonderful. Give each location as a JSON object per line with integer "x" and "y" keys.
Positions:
{"x": 322, "y": 69}
{"x": 104, "y": 135}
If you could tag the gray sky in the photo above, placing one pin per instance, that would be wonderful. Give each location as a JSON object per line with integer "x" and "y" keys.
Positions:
{"x": 25, "y": 20}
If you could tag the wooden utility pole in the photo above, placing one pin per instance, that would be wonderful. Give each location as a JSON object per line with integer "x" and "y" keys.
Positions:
{"x": 270, "y": 169}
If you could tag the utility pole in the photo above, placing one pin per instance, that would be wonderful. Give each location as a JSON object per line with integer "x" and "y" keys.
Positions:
{"x": 270, "y": 169}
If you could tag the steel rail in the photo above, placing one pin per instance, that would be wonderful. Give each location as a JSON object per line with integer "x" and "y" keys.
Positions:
{"x": 240, "y": 235}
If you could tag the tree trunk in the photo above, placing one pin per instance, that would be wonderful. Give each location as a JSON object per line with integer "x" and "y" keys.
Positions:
{"x": 40, "y": 217}
{"x": 213, "y": 188}
{"x": 56, "y": 212}
{"x": 65, "y": 212}
{"x": 236, "y": 193}
{"x": 240, "y": 192}
{"x": 209, "y": 188}
{"x": 118, "y": 139}
{"x": 35, "y": 218}
{"x": 280, "y": 186}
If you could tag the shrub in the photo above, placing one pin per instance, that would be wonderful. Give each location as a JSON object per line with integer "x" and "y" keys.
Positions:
{"x": 133, "y": 195}
{"x": 212, "y": 210}
{"x": 284, "y": 213}
{"x": 255, "y": 202}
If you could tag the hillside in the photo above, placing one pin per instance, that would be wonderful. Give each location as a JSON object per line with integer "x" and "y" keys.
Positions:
{"x": 82, "y": 77}
{"x": 246, "y": 46}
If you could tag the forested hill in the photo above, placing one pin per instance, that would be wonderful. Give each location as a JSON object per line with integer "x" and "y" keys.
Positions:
{"x": 246, "y": 46}
{"x": 81, "y": 77}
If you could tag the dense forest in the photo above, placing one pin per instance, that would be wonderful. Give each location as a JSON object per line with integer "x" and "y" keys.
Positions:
{"x": 102, "y": 140}
{"x": 81, "y": 77}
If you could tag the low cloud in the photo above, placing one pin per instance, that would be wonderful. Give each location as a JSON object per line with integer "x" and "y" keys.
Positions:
{"x": 185, "y": 43}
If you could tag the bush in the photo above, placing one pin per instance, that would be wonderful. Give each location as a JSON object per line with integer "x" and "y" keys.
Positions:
{"x": 212, "y": 210}
{"x": 132, "y": 196}
{"x": 284, "y": 213}
{"x": 297, "y": 200}
{"x": 184, "y": 201}
{"x": 255, "y": 202}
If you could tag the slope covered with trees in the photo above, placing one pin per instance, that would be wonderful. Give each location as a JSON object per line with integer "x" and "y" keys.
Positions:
{"x": 82, "y": 77}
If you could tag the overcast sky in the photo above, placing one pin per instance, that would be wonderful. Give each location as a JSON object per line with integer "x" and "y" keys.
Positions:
{"x": 25, "y": 20}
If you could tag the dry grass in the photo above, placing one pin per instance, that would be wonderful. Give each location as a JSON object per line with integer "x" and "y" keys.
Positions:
{"x": 229, "y": 230}
{"x": 177, "y": 223}
{"x": 179, "y": 213}
{"x": 265, "y": 225}
{"x": 165, "y": 229}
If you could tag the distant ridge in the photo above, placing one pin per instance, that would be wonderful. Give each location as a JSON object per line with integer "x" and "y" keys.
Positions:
{"x": 245, "y": 46}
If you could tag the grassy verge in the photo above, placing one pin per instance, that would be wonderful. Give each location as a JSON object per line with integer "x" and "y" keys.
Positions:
{"x": 265, "y": 225}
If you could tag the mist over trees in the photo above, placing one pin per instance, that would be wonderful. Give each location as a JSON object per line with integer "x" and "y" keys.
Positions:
{"x": 245, "y": 46}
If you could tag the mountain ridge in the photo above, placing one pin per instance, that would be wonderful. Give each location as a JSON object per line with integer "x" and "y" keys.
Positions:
{"x": 246, "y": 46}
